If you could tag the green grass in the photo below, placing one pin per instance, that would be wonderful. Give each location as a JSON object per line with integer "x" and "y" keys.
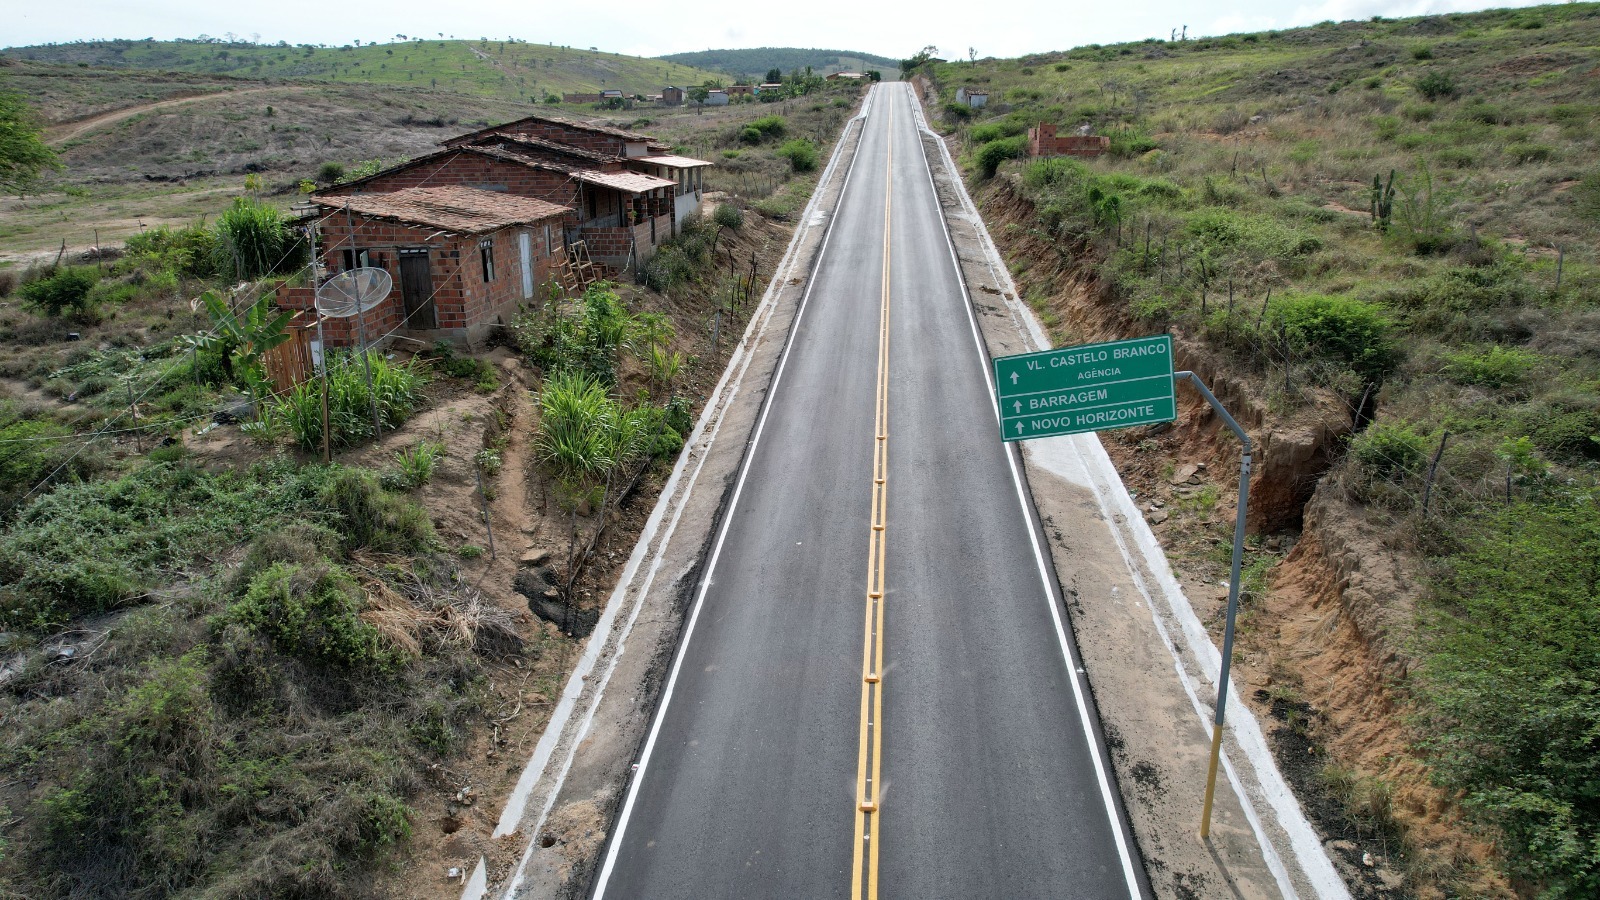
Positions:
{"x": 495, "y": 68}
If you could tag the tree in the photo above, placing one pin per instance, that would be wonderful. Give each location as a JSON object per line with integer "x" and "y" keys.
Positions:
{"x": 23, "y": 154}
{"x": 774, "y": 75}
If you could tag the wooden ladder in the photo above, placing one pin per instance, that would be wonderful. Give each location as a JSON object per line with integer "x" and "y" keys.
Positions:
{"x": 577, "y": 271}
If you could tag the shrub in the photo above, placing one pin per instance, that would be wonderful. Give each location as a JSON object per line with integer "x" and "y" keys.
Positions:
{"x": 769, "y": 127}
{"x": 994, "y": 131}
{"x": 1522, "y": 153}
{"x": 8, "y": 282}
{"x": 330, "y": 172}
{"x": 1511, "y": 680}
{"x": 1127, "y": 143}
{"x": 991, "y": 155}
{"x": 414, "y": 465}
{"x": 1492, "y": 367}
{"x": 1351, "y": 331}
{"x": 1389, "y": 450}
{"x": 1436, "y": 85}
{"x": 64, "y": 291}
{"x": 801, "y": 153}
{"x": 372, "y": 517}
{"x": 728, "y": 216}
{"x": 1259, "y": 236}
{"x": 313, "y": 614}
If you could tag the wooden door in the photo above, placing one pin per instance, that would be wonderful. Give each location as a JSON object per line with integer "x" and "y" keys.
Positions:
{"x": 416, "y": 289}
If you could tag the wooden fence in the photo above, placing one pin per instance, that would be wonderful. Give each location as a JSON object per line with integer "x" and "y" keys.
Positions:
{"x": 289, "y": 363}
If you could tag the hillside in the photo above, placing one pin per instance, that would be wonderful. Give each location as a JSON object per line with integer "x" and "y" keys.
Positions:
{"x": 508, "y": 70}
{"x": 1418, "y": 364}
{"x": 755, "y": 62}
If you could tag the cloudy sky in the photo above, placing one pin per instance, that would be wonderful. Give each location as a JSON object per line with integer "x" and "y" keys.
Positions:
{"x": 655, "y": 28}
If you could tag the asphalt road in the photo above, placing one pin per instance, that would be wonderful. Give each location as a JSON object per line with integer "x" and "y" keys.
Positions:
{"x": 816, "y": 741}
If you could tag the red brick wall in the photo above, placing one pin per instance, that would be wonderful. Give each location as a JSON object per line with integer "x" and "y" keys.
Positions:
{"x": 1043, "y": 141}
{"x": 462, "y": 299}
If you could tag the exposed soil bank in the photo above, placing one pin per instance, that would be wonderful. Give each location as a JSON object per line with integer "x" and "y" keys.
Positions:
{"x": 1322, "y": 646}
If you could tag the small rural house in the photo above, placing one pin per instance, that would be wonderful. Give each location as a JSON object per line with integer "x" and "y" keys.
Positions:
{"x": 462, "y": 259}
{"x": 672, "y": 96}
{"x": 716, "y": 97}
{"x": 1043, "y": 141}
{"x": 471, "y": 230}
{"x": 972, "y": 97}
{"x": 847, "y": 76}
{"x": 740, "y": 90}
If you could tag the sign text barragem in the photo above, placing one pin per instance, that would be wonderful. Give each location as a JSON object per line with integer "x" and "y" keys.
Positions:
{"x": 1085, "y": 388}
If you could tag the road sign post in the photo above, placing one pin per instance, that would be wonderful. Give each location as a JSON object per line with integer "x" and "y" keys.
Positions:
{"x": 1089, "y": 387}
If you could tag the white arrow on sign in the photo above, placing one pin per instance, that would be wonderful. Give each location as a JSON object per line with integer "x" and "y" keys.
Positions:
{"x": 1019, "y": 428}
{"x": 1019, "y": 407}
{"x": 1014, "y": 377}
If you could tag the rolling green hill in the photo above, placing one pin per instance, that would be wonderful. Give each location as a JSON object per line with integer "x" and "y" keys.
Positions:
{"x": 500, "y": 69}
{"x": 755, "y": 62}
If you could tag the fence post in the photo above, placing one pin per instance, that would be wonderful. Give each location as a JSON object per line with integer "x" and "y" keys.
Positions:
{"x": 1433, "y": 468}
{"x": 138, "y": 439}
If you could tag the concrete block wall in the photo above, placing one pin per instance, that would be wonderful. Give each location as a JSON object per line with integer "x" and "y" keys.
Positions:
{"x": 1043, "y": 141}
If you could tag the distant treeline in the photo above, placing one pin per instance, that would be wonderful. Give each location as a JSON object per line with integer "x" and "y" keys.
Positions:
{"x": 757, "y": 61}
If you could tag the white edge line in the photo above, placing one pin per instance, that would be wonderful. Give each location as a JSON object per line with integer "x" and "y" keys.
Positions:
{"x": 1303, "y": 841}
{"x": 716, "y": 553}
{"x": 533, "y": 773}
{"x": 1106, "y": 794}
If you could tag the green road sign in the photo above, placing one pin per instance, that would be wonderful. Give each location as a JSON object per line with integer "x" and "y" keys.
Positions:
{"x": 1085, "y": 388}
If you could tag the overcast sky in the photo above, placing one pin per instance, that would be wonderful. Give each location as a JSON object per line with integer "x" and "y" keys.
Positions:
{"x": 655, "y": 28}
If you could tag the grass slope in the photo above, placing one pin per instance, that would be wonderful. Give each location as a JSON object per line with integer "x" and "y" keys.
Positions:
{"x": 755, "y": 62}
{"x": 511, "y": 70}
{"x": 1474, "y": 312}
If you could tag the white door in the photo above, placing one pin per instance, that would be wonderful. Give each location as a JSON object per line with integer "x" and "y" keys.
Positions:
{"x": 525, "y": 242}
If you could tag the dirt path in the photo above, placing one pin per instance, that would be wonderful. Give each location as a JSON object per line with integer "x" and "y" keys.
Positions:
{"x": 66, "y": 131}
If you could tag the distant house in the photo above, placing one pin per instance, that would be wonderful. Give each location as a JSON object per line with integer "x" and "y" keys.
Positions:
{"x": 716, "y": 98}
{"x": 622, "y": 192}
{"x": 740, "y": 90}
{"x": 461, "y": 258}
{"x": 1043, "y": 141}
{"x": 580, "y": 98}
{"x": 972, "y": 97}
{"x": 610, "y": 95}
{"x": 672, "y": 96}
{"x": 770, "y": 87}
{"x": 847, "y": 76}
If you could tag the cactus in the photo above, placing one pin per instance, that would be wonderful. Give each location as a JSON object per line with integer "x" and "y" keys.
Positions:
{"x": 1382, "y": 201}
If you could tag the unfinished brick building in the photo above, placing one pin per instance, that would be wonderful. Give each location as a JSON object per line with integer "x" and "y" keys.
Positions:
{"x": 462, "y": 259}
{"x": 1043, "y": 141}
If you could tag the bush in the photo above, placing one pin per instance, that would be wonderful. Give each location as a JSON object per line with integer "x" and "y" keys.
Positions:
{"x": 1491, "y": 367}
{"x": 991, "y": 155}
{"x": 801, "y": 153}
{"x": 1127, "y": 143}
{"x": 1389, "y": 451}
{"x": 330, "y": 172}
{"x": 1512, "y": 684}
{"x": 1351, "y": 331}
{"x": 313, "y": 614}
{"x": 994, "y": 131}
{"x": 769, "y": 127}
{"x": 1437, "y": 86}
{"x": 373, "y": 518}
{"x": 65, "y": 291}
{"x": 190, "y": 251}
{"x": 414, "y": 465}
{"x": 728, "y": 216}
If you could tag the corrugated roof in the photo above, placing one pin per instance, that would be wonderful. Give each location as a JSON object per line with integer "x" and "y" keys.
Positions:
{"x": 454, "y": 208}
{"x": 672, "y": 162}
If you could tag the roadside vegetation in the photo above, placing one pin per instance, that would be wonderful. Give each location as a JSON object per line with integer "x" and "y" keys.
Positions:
{"x": 1388, "y": 226}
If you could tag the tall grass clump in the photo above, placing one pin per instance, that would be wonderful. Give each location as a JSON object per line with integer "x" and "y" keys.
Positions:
{"x": 801, "y": 154}
{"x": 397, "y": 389}
{"x": 254, "y": 240}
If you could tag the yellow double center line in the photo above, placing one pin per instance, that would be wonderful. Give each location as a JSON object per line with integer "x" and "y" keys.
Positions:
{"x": 864, "y": 882}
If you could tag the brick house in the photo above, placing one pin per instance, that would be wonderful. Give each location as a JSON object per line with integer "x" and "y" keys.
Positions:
{"x": 1043, "y": 141}
{"x": 672, "y": 95}
{"x": 462, "y": 259}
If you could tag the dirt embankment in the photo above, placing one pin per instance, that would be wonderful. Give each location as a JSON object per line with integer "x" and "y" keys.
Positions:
{"x": 1323, "y": 648}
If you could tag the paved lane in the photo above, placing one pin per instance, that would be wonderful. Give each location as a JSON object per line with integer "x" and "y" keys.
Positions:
{"x": 761, "y": 774}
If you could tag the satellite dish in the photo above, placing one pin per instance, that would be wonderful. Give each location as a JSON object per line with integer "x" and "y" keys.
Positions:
{"x": 353, "y": 291}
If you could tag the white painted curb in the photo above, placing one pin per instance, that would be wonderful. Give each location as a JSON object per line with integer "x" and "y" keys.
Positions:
{"x": 1142, "y": 553}
{"x": 672, "y": 498}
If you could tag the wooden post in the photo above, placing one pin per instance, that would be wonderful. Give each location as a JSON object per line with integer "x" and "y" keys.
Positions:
{"x": 1433, "y": 468}
{"x": 1561, "y": 258}
{"x": 138, "y": 440}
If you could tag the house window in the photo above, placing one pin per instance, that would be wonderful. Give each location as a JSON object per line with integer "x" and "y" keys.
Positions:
{"x": 355, "y": 259}
{"x": 486, "y": 250}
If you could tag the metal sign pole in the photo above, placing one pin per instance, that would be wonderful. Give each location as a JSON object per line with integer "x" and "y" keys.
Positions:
{"x": 322, "y": 363}
{"x": 1233, "y": 595}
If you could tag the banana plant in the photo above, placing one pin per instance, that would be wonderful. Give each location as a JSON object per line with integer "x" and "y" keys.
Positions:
{"x": 259, "y": 329}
